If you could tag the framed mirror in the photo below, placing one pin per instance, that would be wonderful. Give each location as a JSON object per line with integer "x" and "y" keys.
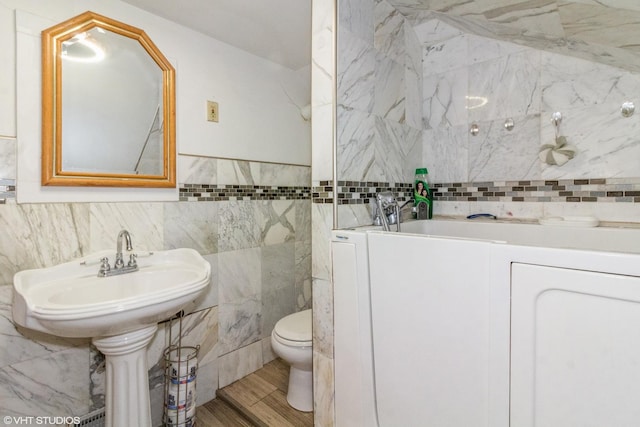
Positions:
{"x": 108, "y": 106}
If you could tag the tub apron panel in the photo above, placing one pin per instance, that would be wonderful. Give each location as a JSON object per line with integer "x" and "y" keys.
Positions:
{"x": 430, "y": 303}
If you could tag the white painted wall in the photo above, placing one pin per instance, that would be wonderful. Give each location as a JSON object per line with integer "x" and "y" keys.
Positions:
{"x": 7, "y": 73}
{"x": 259, "y": 100}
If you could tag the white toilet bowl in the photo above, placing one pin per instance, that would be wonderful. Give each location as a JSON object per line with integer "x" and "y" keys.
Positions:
{"x": 291, "y": 340}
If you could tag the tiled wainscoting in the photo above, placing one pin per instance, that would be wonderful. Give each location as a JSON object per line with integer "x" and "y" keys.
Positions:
{"x": 250, "y": 220}
{"x": 7, "y": 189}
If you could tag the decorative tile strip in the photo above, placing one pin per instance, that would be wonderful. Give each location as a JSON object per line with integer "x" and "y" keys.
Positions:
{"x": 209, "y": 193}
{"x": 564, "y": 190}
{"x": 592, "y": 190}
{"x": 359, "y": 192}
{"x": 7, "y": 190}
{"x": 322, "y": 193}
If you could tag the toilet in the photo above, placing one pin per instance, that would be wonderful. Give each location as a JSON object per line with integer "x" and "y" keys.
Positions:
{"x": 291, "y": 340}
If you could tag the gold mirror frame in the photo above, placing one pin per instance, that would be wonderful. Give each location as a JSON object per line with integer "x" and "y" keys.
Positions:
{"x": 52, "y": 98}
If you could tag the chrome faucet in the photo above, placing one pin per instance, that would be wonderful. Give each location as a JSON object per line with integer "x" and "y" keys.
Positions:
{"x": 387, "y": 211}
{"x": 118, "y": 265}
{"x": 127, "y": 237}
{"x": 406, "y": 203}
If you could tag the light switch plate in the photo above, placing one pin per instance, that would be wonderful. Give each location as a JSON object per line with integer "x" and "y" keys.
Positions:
{"x": 212, "y": 111}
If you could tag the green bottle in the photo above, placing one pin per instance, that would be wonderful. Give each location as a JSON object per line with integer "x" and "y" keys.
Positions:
{"x": 422, "y": 194}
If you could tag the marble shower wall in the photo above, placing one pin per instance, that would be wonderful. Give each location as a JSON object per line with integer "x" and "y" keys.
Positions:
{"x": 470, "y": 79}
{"x": 606, "y": 31}
{"x": 260, "y": 252}
{"x": 379, "y": 99}
{"x": 484, "y": 63}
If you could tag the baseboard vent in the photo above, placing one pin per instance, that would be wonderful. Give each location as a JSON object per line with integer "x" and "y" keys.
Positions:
{"x": 94, "y": 419}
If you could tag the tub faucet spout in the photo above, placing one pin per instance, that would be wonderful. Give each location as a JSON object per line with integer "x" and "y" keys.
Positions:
{"x": 406, "y": 203}
{"x": 387, "y": 211}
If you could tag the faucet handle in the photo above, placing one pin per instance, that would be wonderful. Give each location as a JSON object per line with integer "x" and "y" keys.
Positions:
{"x": 118, "y": 263}
{"x": 133, "y": 260}
{"x": 104, "y": 266}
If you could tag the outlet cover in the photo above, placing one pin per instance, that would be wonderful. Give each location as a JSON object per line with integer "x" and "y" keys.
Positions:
{"x": 212, "y": 111}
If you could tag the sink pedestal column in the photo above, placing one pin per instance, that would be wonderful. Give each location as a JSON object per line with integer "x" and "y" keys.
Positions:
{"x": 127, "y": 389}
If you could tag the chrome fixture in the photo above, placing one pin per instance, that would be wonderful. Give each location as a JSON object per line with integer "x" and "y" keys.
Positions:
{"x": 406, "y": 203}
{"x": 118, "y": 265}
{"x": 474, "y": 129}
{"x": 387, "y": 211}
{"x": 556, "y": 118}
{"x": 422, "y": 210}
{"x": 628, "y": 108}
{"x": 509, "y": 124}
{"x": 127, "y": 237}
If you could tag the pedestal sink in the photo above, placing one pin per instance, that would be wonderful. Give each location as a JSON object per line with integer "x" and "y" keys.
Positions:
{"x": 120, "y": 313}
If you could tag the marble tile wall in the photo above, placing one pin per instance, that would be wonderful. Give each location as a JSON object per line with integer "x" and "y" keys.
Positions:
{"x": 495, "y": 81}
{"x": 260, "y": 252}
{"x": 379, "y": 102}
{"x": 470, "y": 75}
{"x": 606, "y": 31}
{"x": 323, "y": 53}
{"x": 484, "y": 64}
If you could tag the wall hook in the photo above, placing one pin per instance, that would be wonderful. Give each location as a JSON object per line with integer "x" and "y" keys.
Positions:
{"x": 509, "y": 124}
{"x": 556, "y": 118}
{"x": 628, "y": 108}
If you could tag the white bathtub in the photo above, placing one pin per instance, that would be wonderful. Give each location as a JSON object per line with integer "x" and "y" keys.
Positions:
{"x": 462, "y": 323}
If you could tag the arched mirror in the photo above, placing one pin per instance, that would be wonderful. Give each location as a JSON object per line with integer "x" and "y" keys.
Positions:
{"x": 108, "y": 116}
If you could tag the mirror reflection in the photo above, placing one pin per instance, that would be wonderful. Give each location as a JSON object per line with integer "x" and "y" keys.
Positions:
{"x": 101, "y": 65}
{"x": 111, "y": 121}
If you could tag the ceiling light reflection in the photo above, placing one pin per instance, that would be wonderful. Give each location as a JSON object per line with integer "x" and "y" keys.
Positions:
{"x": 476, "y": 101}
{"x": 82, "y": 48}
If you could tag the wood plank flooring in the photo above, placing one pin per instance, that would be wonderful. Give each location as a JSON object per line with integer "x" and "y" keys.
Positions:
{"x": 257, "y": 400}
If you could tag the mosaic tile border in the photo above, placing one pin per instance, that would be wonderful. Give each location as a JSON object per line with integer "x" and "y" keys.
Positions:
{"x": 589, "y": 190}
{"x": 592, "y": 190}
{"x": 209, "y": 192}
{"x": 566, "y": 190}
{"x": 358, "y": 192}
{"x": 7, "y": 190}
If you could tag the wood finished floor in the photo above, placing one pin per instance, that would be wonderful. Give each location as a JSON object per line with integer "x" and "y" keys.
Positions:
{"x": 257, "y": 400}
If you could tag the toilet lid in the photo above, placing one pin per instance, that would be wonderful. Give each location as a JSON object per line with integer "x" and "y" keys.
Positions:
{"x": 295, "y": 327}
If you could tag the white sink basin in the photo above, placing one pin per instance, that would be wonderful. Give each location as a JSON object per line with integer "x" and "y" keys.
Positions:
{"x": 69, "y": 300}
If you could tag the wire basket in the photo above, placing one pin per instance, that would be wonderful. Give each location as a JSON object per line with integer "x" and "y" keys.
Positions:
{"x": 180, "y": 373}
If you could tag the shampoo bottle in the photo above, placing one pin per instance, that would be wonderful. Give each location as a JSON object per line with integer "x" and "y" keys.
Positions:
{"x": 423, "y": 199}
